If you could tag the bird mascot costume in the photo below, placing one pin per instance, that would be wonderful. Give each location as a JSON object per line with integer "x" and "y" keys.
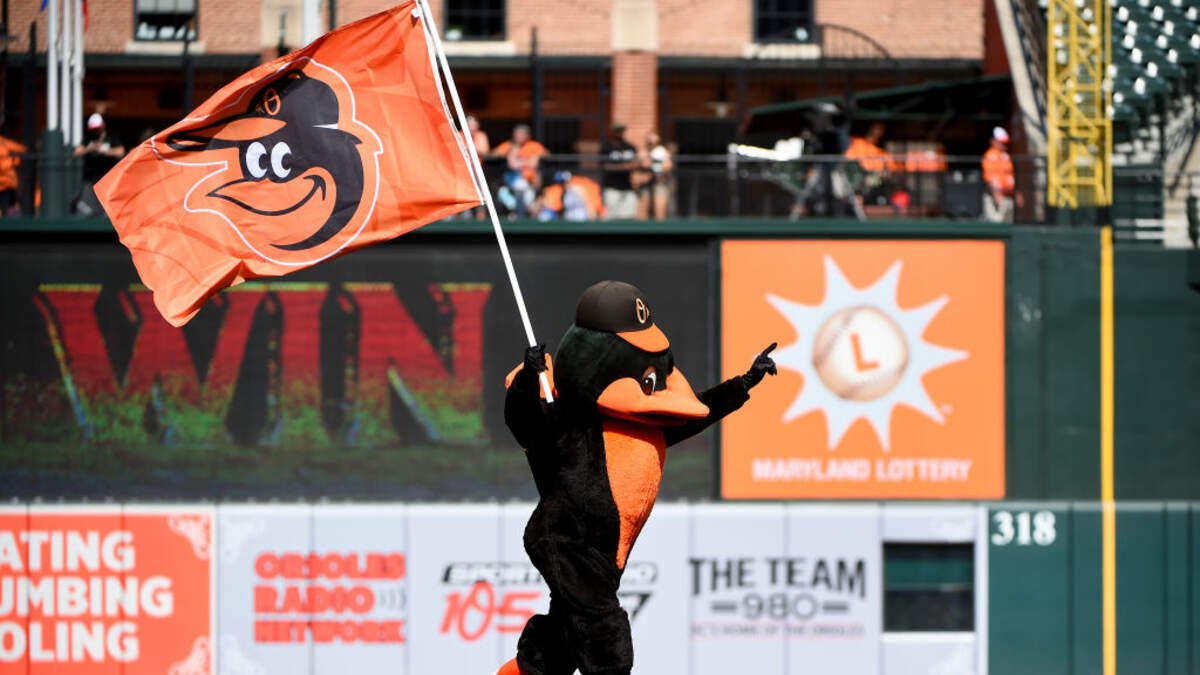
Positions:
{"x": 597, "y": 456}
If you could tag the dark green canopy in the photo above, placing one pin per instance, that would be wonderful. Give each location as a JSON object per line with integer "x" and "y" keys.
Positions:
{"x": 959, "y": 114}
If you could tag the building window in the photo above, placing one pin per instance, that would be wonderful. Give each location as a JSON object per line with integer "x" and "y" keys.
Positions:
{"x": 164, "y": 19}
{"x": 783, "y": 20}
{"x": 474, "y": 19}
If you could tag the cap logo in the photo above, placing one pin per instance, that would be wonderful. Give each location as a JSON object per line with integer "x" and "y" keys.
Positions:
{"x": 643, "y": 312}
{"x": 271, "y": 101}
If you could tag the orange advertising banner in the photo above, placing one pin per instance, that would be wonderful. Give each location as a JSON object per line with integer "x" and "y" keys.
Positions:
{"x": 891, "y": 369}
{"x": 97, "y": 590}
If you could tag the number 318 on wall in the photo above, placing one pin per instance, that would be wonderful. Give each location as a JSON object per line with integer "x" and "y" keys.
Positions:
{"x": 1023, "y": 528}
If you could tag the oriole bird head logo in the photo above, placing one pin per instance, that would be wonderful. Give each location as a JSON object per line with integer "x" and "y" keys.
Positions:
{"x": 305, "y": 176}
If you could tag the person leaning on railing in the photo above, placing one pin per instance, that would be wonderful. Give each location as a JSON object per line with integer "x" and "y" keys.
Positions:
{"x": 522, "y": 178}
{"x": 621, "y": 161}
{"x": 100, "y": 153}
{"x": 654, "y": 191}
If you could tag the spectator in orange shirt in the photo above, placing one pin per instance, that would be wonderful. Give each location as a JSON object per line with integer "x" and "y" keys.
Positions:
{"x": 571, "y": 198}
{"x": 866, "y": 150}
{"x": 998, "y": 179}
{"x": 10, "y": 152}
{"x": 522, "y": 177}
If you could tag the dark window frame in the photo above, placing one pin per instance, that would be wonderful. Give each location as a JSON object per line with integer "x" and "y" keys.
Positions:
{"x": 768, "y": 10}
{"x": 194, "y": 17}
{"x": 486, "y": 14}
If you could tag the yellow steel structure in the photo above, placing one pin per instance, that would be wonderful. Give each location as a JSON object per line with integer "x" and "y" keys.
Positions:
{"x": 1079, "y": 125}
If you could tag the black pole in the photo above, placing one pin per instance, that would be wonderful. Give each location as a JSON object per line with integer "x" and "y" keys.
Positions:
{"x": 28, "y": 168}
{"x": 282, "y": 47}
{"x": 189, "y": 70}
{"x": 535, "y": 74}
{"x": 1162, "y": 132}
{"x": 740, "y": 88}
{"x": 332, "y": 14}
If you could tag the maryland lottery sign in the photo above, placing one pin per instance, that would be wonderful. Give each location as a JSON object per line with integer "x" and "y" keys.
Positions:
{"x": 891, "y": 369}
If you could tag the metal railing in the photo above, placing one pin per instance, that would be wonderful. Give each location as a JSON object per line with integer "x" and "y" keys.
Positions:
{"x": 695, "y": 187}
{"x": 733, "y": 186}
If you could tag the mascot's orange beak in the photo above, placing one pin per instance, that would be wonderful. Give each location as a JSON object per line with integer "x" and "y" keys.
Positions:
{"x": 674, "y": 405}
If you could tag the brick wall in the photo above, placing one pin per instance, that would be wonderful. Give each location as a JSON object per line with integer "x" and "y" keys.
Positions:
{"x": 913, "y": 28}
{"x": 226, "y": 26}
{"x": 906, "y": 28}
{"x": 635, "y": 93}
{"x": 704, "y": 27}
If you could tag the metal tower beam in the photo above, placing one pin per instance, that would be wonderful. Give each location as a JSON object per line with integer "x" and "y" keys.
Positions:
{"x": 1079, "y": 122}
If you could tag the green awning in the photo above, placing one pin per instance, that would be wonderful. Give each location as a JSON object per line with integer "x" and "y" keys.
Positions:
{"x": 958, "y": 112}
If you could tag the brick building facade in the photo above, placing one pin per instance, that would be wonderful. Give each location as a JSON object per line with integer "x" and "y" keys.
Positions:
{"x": 691, "y": 68}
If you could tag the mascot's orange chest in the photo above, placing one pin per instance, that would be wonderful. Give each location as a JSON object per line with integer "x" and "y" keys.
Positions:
{"x": 634, "y": 454}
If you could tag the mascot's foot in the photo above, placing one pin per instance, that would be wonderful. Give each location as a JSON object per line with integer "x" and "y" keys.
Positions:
{"x": 510, "y": 668}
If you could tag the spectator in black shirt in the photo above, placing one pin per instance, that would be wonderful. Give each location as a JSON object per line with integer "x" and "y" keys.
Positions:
{"x": 100, "y": 153}
{"x": 620, "y": 161}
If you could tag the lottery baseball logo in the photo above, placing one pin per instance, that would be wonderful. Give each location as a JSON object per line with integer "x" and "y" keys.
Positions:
{"x": 861, "y": 354}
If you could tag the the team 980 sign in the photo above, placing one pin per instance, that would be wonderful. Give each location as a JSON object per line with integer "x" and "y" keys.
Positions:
{"x": 1023, "y": 528}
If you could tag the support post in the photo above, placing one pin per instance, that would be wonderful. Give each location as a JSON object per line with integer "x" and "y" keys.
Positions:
{"x": 189, "y": 71}
{"x": 538, "y": 93}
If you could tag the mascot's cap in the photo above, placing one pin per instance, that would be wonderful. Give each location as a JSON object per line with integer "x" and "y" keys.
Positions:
{"x": 618, "y": 307}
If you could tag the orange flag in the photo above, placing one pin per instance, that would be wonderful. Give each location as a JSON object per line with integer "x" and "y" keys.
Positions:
{"x": 340, "y": 145}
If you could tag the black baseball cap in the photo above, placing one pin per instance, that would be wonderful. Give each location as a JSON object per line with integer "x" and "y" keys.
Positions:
{"x": 618, "y": 307}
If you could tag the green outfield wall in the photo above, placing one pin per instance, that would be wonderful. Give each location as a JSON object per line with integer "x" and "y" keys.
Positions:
{"x": 1044, "y": 588}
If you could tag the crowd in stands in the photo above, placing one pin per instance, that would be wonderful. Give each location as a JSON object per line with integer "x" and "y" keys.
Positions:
{"x": 627, "y": 181}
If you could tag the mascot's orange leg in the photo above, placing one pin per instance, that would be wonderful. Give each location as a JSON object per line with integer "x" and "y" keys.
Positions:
{"x": 510, "y": 668}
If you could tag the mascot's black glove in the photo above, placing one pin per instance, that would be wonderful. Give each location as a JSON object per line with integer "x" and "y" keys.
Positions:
{"x": 535, "y": 358}
{"x": 762, "y": 365}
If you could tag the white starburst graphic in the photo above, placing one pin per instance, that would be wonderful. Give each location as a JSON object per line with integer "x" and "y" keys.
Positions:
{"x": 890, "y": 351}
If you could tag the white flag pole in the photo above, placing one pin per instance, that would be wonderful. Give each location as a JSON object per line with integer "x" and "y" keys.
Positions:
{"x": 65, "y": 49}
{"x": 77, "y": 77}
{"x": 52, "y": 92}
{"x": 485, "y": 193}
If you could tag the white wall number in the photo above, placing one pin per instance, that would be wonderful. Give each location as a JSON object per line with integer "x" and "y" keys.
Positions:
{"x": 1024, "y": 528}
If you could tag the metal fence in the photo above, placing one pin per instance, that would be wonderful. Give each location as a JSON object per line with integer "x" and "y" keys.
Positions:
{"x": 734, "y": 186}
{"x": 585, "y": 187}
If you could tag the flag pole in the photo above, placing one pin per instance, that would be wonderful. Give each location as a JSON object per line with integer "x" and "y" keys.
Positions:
{"x": 485, "y": 193}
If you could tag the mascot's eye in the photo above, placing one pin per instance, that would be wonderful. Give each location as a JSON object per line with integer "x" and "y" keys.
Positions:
{"x": 279, "y": 153}
{"x": 649, "y": 381}
{"x": 256, "y": 155}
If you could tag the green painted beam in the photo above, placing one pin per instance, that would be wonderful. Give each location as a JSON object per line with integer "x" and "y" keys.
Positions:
{"x": 725, "y": 227}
